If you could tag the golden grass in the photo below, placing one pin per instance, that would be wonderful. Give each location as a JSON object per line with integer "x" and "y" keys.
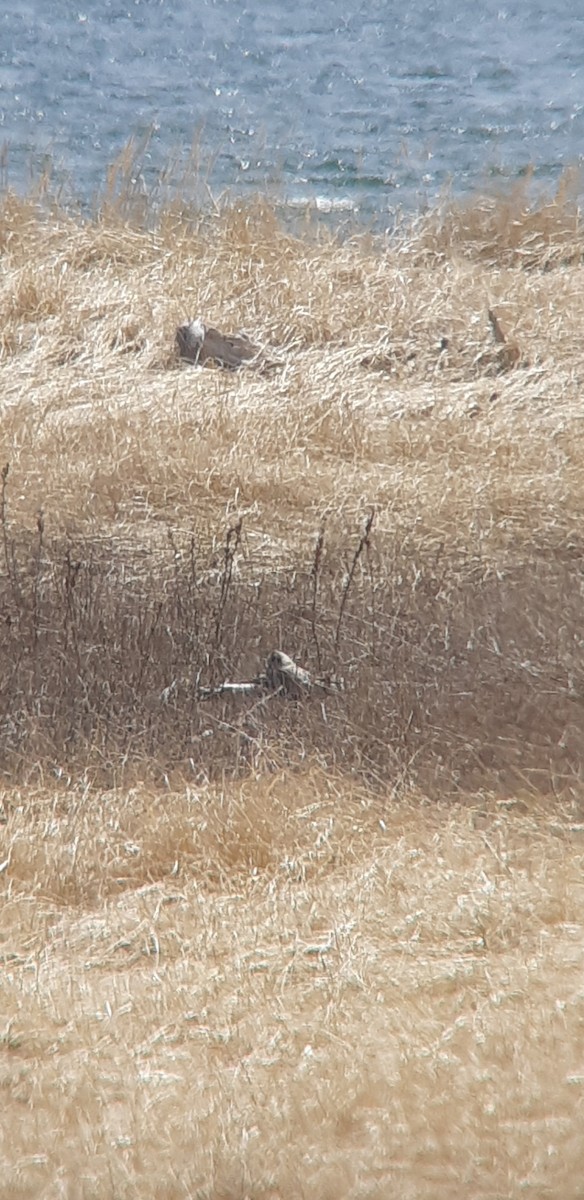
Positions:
{"x": 288, "y": 987}
{"x": 321, "y": 949}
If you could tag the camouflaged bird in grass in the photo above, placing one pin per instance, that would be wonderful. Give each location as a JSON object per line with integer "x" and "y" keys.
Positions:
{"x": 282, "y": 673}
{"x": 200, "y": 344}
{"x": 281, "y": 676}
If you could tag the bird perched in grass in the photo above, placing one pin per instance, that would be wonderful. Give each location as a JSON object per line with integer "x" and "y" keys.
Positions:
{"x": 283, "y": 674}
{"x": 200, "y": 343}
{"x": 280, "y": 677}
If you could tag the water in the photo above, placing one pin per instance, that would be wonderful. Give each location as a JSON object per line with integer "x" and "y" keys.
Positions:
{"x": 365, "y": 105}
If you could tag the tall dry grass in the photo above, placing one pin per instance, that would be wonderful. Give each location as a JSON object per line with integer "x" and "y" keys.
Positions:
{"x": 276, "y": 949}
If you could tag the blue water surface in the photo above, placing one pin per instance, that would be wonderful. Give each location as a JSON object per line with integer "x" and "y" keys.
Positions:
{"x": 364, "y": 106}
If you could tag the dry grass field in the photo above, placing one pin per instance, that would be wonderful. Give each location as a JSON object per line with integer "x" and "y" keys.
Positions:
{"x": 268, "y": 949}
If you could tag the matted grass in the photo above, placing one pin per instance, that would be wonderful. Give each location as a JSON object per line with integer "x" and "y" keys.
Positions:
{"x": 288, "y": 987}
{"x": 274, "y": 950}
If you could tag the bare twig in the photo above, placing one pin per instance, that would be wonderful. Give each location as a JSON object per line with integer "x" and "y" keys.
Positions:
{"x": 314, "y": 574}
{"x": 363, "y": 543}
{"x": 232, "y": 544}
{"x": 8, "y": 552}
{"x": 37, "y": 577}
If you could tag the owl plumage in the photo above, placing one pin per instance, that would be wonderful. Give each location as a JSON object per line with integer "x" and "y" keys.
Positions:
{"x": 283, "y": 674}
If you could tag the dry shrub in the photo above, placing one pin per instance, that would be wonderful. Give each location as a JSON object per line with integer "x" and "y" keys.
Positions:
{"x": 456, "y": 673}
{"x": 512, "y": 229}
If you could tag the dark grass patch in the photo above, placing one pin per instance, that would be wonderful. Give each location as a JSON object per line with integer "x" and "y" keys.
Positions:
{"x": 457, "y": 675}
